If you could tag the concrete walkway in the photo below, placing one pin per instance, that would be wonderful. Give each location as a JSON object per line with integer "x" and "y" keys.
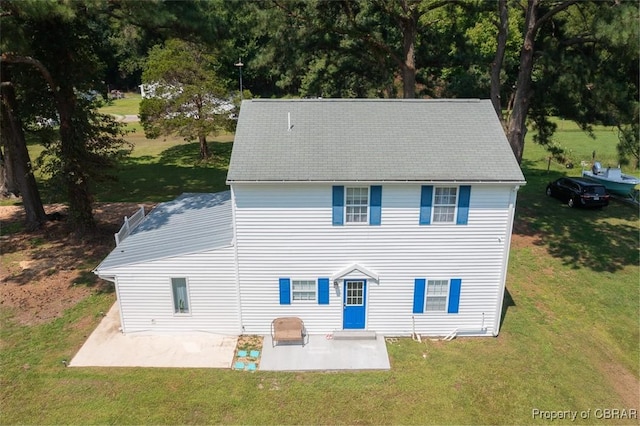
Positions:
{"x": 108, "y": 347}
{"x": 324, "y": 353}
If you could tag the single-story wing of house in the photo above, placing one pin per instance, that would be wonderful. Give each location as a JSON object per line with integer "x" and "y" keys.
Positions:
{"x": 393, "y": 216}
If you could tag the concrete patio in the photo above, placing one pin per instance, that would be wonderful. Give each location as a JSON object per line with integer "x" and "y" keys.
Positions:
{"x": 108, "y": 347}
{"x": 324, "y": 353}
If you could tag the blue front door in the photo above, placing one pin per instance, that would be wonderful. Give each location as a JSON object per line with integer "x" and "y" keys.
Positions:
{"x": 354, "y": 302}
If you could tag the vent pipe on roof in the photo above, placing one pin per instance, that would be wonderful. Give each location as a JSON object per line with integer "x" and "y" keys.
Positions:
{"x": 289, "y": 126}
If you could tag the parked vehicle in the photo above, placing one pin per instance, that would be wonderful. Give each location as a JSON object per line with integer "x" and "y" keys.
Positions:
{"x": 578, "y": 192}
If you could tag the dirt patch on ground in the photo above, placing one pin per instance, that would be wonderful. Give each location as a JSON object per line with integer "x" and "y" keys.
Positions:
{"x": 45, "y": 272}
{"x": 624, "y": 382}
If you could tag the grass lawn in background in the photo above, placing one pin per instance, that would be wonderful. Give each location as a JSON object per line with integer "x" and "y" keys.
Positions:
{"x": 569, "y": 338}
{"x": 129, "y": 105}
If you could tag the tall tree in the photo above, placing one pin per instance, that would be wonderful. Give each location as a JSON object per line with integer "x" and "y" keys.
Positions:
{"x": 516, "y": 125}
{"x": 186, "y": 95}
{"x": 71, "y": 68}
{"x": 19, "y": 163}
{"x": 385, "y": 34}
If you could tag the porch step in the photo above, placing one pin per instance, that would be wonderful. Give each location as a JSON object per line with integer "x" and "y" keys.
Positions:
{"x": 354, "y": 335}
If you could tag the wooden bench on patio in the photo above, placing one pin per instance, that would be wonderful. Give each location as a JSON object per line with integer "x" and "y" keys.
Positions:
{"x": 287, "y": 329}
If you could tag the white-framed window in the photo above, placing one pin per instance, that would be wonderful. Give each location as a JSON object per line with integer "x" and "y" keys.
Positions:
{"x": 444, "y": 204}
{"x": 357, "y": 205}
{"x": 180, "y": 292}
{"x": 437, "y": 294}
{"x": 303, "y": 289}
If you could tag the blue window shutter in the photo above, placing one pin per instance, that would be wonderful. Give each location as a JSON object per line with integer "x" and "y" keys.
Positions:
{"x": 426, "y": 196}
{"x": 375, "y": 208}
{"x": 463, "y": 204}
{"x": 338, "y": 205}
{"x": 418, "y": 295}
{"x": 454, "y": 295}
{"x": 323, "y": 291}
{"x": 285, "y": 291}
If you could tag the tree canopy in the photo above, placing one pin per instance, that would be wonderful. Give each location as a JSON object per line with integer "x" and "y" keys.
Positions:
{"x": 185, "y": 95}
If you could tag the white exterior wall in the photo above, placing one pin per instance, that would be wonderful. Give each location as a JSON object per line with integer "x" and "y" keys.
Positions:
{"x": 285, "y": 230}
{"x": 146, "y": 302}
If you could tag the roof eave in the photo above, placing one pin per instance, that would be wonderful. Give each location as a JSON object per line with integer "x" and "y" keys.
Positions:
{"x": 387, "y": 181}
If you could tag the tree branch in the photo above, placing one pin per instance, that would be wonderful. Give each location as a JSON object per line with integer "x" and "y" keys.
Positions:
{"x": 559, "y": 8}
{"x": 11, "y": 58}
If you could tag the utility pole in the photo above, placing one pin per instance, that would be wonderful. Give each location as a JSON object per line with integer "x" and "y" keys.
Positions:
{"x": 239, "y": 64}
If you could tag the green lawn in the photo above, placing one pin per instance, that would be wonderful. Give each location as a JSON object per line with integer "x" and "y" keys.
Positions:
{"x": 569, "y": 339}
{"x": 126, "y": 106}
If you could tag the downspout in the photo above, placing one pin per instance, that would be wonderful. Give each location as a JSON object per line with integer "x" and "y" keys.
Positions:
{"x": 505, "y": 260}
{"x": 114, "y": 280}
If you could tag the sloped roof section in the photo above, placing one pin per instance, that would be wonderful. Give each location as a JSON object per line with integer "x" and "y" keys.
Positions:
{"x": 192, "y": 223}
{"x": 375, "y": 140}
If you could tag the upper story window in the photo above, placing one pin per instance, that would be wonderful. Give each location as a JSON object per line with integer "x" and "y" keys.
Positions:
{"x": 357, "y": 205}
{"x": 444, "y": 204}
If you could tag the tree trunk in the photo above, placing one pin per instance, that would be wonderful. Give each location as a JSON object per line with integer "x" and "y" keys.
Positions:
{"x": 18, "y": 155}
{"x": 204, "y": 148}
{"x": 74, "y": 153}
{"x": 517, "y": 126}
{"x": 8, "y": 184}
{"x": 409, "y": 26}
{"x": 496, "y": 65}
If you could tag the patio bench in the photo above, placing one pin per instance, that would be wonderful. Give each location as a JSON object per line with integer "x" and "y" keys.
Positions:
{"x": 287, "y": 329}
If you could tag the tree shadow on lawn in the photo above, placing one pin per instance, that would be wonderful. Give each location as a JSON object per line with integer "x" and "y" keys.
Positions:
{"x": 599, "y": 239}
{"x": 178, "y": 170}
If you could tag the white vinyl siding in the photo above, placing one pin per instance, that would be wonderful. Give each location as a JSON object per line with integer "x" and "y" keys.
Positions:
{"x": 444, "y": 204}
{"x": 303, "y": 290}
{"x": 147, "y": 303}
{"x": 357, "y": 205}
{"x": 286, "y": 230}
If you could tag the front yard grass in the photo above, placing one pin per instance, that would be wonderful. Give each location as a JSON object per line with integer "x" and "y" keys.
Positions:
{"x": 569, "y": 338}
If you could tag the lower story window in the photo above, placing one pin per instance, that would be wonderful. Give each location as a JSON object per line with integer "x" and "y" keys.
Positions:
{"x": 437, "y": 291}
{"x": 303, "y": 289}
{"x": 180, "y": 295}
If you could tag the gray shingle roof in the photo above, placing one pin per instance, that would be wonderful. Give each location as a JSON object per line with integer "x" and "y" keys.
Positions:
{"x": 347, "y": 140}
{"x": 192, "y": 223}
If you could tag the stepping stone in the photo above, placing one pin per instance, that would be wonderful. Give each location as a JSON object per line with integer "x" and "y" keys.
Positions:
{"x": 251, "y": 366}
{"x": 239, "y": 365}
{"x": 242, "y": 354}
{"x": 254, "y": 354}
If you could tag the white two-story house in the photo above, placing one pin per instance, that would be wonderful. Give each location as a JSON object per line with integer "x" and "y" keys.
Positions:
{"x": 393, "y": 216}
